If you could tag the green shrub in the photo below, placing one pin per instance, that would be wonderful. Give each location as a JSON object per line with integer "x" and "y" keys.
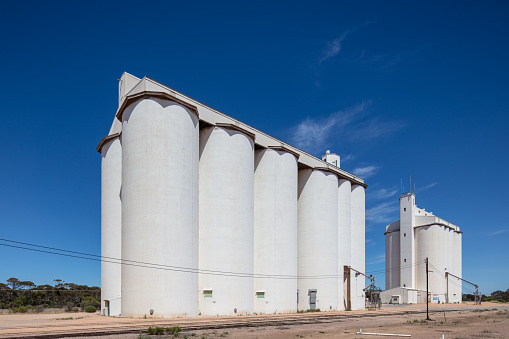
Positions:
{"x": 90, "y": 301}
{"x": 173, "y": 330}
{"x": 21, "y": 309}
{"x": 90, "y": 309}
{"x": 155, "y": 330}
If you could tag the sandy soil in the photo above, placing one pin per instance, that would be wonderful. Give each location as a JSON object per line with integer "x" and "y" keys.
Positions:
{"x": 454, "y": 321}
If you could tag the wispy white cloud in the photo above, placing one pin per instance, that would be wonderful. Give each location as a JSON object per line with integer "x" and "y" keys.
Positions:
{"x": 381, "y": 60}
{"x": 499, "y": 232}
{"x": 346, "y": 158}
{"x": 334, "y": 46}
{"x": 382, "y": 193}
{"x": 349, "y": 125}
{"x": 421, "y": 189}
{"x": 312, "y": 133}
{"x": 374, "y": 128}
{"x": 366, "y": 171}
{"x": 377, "y": 259}
{"x": 383, "y": 212}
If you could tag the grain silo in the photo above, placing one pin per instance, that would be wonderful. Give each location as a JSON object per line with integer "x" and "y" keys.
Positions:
{"x": 226, "y": 221}
{"x": 421, "y": 235}
{"x": 159, "y": 207}
{"x": 358, "y": 246}
{"x": 275, "y": 232}
{"x": 344, "y": 239}
{"x": 317, "y": 258}
{"x": 111, "y": 220}
{"x": 211, "y": 216}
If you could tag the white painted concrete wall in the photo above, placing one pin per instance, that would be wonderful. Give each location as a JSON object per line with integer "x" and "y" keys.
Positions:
{"x": 332, "y": 158}
{"x": 226, "y": 221}
{"x": 317, "y": 249}
{"x": 160, "y": 191}
{"x": 344, "y": 237}
{"x": 111, "y": 225}
{"x": 449, "y": 256}
{"x": 407, "y": 242}
{"x": 406, "y": 296}
{"x": 358, "y": 246}
{"x": 275, "y": 231}
{"x": 159, "y": 208}
{"x": 430, "y": 243}
{"x": 455, "y": 285}
{"x": 392, "y": 260}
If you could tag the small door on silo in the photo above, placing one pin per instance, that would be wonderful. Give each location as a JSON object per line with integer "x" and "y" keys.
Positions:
{"x": 312, "y": 299}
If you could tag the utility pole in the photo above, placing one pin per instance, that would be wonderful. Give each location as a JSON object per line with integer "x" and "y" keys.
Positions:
{"x": 447, "y": 284}
{"x": 427, "y": 292}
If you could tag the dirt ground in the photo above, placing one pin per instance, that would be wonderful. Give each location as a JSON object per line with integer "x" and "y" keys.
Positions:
{"x": 463, "y": 321}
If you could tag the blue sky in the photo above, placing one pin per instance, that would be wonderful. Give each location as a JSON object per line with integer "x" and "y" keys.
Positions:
{"x": 396, "y": 88}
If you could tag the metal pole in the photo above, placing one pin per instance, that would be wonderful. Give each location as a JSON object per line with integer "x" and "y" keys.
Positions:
{"x": 427, "y": 292}
{"x": 447, "y": 282}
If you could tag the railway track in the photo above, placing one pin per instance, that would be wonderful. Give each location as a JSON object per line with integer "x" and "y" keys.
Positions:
{"x": 188, "y": 325}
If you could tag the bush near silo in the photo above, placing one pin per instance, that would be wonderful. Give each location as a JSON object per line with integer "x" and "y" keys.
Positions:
{"x": 90, "y": 309}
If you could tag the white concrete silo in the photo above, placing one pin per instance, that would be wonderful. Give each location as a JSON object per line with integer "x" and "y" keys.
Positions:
{"x": 160, "y": 208}
{"x": 392, "y": 260}
{"x": 449, "y": 261}
{"x": 459, "y": 262}
{"x": 275, "y": 231}
{"x": 317, "y": 262}
{"x": 226, "y": 221}
{"x": 358, "y": 247}
{"x": 429, "y": 243}
{"x": 455, "y": 285}
{"x": 344, "y": 237}
{"x": 111, "y": 224}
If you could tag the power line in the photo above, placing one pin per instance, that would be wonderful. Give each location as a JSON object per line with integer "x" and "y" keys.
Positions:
{"x": 169, "y": 267}
{"x": 184, "y": 270}
{"x": 436, "y": 270}
{"x": 397, "y": 268}
{"x": 94, "y": 257}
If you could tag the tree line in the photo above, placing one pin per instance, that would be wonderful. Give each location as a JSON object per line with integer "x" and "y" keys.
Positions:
{"x": 21, "y": 296}
{"x": 500, "y": 296}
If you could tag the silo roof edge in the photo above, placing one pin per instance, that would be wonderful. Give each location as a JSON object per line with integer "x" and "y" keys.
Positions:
{"x": 106, "y": 139}
{"x": 168, "y": 93}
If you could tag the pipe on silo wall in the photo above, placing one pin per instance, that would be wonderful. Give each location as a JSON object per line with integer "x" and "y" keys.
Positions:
{"x": 159, "y": 208}
{"x": 111, "y": 226}
{"x": 317, "y": 261}
{"x": 344, "y": 237}
{"x": 275, "y": 231}
{"x": 226, "y": 221}
{"x": 358, "y": 247}
{"x": 392, "y": 260}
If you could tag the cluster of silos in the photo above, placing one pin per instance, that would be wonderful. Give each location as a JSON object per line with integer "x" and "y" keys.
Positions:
{"x": 442, "y": 246}
{"x": 205, "y": 222}
{"x": 421, "y": 235}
